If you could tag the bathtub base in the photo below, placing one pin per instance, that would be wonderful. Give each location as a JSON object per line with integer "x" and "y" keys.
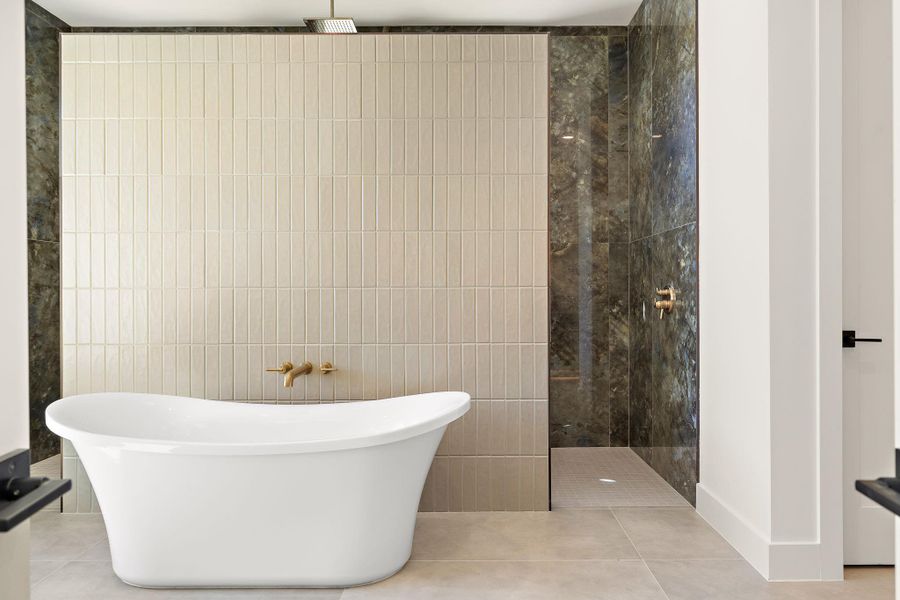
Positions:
{"x": 266, "y": 587}
{"x": 332, "y": 519}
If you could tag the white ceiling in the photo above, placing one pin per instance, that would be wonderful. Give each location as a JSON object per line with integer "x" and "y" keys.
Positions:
{"x": 150, "y": 13}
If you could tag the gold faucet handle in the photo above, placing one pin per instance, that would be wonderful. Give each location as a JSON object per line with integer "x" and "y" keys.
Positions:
{"x": 284, "y": 368}
{"x": 668, "y": 292}
{"x": 326, "y": 368}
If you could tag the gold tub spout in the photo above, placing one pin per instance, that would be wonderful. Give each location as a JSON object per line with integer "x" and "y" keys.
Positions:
{"x": 291, "y": 372}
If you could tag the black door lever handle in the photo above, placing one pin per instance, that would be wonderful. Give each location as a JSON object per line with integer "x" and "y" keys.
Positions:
{"x": 849, "y": 339}
{"x": 21, "y": 495}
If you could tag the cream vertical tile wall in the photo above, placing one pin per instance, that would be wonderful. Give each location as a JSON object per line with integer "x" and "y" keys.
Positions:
{"x": 377, "y": 201}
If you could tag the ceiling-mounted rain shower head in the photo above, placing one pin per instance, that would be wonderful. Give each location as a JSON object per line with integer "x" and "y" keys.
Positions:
{"x": 330, "y": 24}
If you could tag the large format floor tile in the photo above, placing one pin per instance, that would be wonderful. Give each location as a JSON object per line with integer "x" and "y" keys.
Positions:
{"x": 502, "y": 580}
{"x": 737, "y": 580}
{"x": 55, "y": 536}
{"x": 40, "y": 569}
{"x": 625, "y": 554}
{"x": 860, "y": 583}
{"x": 557, "y": 535}
{"x": 672, "y": 533}
{"x": 95, "y": 580}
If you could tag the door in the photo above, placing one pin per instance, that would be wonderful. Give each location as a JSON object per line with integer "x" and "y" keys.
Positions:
{"x": 868, "y": 276}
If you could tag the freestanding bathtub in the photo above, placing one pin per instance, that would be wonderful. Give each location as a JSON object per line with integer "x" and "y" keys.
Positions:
{"x": 200, "y": 493}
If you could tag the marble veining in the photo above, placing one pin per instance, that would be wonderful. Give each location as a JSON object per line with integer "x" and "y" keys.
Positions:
{"x": 588, "y": 232}
{"x": 42, "y": 156}
{"x": 673, "y": 40}
{"x": 639, "y": 75}
{"x": 663, "y": 370}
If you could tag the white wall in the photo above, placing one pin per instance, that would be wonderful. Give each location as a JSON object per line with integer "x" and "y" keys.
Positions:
{"x": 13, "y": 301}
{"x": 761, "y": 214}
{"x": 895, "y": 21}
{"x": 230, "y": 202}
{"x": 735, "y": 440}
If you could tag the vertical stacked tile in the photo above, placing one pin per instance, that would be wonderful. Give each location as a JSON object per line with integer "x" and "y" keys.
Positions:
{"x": 641, "y": 290}
{"x": 42, "y": 120}
{"x": 664, "y": 370}
{"x": 377, "y": 201}
{"x": 619, "y": 237}
{"x": 589, "y": 233}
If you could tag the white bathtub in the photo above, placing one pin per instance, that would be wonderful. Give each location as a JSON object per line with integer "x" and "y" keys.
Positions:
{"x": 200, "y": 493}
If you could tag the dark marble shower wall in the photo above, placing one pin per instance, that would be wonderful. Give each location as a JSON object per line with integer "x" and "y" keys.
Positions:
{"x": 42, "y": 123}
{"x": 589, "y": 235}
{"x": 663, "y": 409}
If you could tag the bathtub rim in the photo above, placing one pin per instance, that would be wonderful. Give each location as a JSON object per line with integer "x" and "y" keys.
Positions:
{"x": 243, "y": 448}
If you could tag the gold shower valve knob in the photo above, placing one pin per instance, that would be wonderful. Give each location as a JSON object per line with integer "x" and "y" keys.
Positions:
{"x": 667, "y": 305}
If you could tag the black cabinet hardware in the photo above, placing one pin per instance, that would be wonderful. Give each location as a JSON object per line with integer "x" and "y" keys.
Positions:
{"x": 849, "y": 339}
{"x": 21, "y": 495}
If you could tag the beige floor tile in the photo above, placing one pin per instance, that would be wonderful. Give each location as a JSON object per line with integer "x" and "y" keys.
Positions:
{"x": 737, "y": 580}
{"x": 99, "y": 551}
{"x": 56, "y": 536}
{"x": 503, "y": 580}
{"x": 710, "y": 580}
{"x": 557, "y": 535}
{"x": 860, "y": 583}
{"x": 95, "y": 580}
{"x": 40, "y": 569}
{"x": 672, "y": 533}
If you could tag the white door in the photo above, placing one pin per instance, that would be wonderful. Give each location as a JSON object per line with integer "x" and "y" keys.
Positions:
{"x": 868, "y": 276}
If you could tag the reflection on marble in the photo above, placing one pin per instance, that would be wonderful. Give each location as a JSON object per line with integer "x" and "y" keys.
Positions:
{"x": 674, "y": 396}
{"x": 618, "y": 227}
{"x": 42, "y": 155}
{"x": 663, "y": 370}
{"x": 618, "y": 92}
{"x": 618, "y": 344}
{"x": 587, "y": 342}
{"x": 673, "y": 36}
{"x": 674, "y": 339}
{"x": 44, "y": 343}
{"x": 42, "y": 121}
{"x": 639, "y": 115}
{"x": 641, "y": 318}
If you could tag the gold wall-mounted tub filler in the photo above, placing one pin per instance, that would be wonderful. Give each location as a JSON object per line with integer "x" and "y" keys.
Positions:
{"x": 291, "y": 372}
{"x": 667, "y": 304}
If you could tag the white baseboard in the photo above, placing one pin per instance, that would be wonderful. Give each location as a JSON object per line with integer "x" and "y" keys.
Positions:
{"x": 776, "y": 561}
{"x": 751, "y": 543}
{"x": 795, "y": 562}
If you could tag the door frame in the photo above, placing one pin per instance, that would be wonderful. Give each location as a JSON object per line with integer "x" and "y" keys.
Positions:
{"x": 829, "y": 305}
{"x": 14, "y": 564}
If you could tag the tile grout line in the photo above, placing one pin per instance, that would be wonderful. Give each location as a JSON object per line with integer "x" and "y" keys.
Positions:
{"x": 643, "y": 560}
{"x": 34, "y": 584}
{"x": 465, "y": 560}
{"x": 525, "y": 560}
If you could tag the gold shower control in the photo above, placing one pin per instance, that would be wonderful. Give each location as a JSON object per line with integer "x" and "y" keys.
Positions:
{"x": 668, "y": 304}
